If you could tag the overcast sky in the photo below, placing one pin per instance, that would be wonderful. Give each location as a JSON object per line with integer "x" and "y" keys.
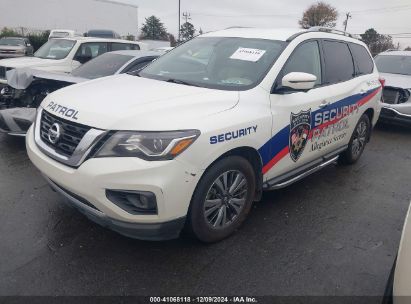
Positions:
{"x": 387, "y": 17}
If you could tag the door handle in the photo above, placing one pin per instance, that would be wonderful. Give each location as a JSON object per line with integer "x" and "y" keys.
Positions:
{"x": 324, "y": 104}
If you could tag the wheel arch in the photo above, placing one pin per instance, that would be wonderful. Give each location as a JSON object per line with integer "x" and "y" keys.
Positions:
{"x": 251, "y": 155}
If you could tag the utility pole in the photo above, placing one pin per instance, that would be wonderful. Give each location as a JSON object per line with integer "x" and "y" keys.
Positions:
{"x": 349, "y": 16}
{"x": 179, "y": 19}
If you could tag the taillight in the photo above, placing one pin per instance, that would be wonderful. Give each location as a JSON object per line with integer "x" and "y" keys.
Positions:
{"x": 382, "y": 81}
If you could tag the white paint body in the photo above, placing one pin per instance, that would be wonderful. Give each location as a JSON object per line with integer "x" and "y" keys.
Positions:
{"x": 125, "y": 102}
{"x": 65, "y": 65}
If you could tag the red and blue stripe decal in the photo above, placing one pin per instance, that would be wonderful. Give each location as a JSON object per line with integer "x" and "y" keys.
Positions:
{"x": 278, "y": 146}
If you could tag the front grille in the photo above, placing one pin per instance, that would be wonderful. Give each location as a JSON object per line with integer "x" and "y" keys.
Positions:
{"x": 71, "y": 133}
{"x": 393, "y": 95}
{"x": 2, "y": 72}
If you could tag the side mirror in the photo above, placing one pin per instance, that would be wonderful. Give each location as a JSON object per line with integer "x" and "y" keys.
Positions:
{"x": 299, "y": 81}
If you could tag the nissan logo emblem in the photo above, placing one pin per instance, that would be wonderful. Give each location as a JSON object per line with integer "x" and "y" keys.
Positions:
{"x": 54, "y": 133}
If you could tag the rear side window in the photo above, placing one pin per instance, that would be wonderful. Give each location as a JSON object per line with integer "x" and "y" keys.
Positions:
{"x": 362, "y": 59}
{"x": 339, "y": 64}
{"x": 115, "y": 46}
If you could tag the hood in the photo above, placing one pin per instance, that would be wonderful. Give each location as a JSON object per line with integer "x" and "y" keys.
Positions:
{"x": 21, "y": 78}
{"x": 125, "y": 102}
{"x": 11, "y": 47}
{"x": 396, "y": 80}
{"x": 26, "y": 62}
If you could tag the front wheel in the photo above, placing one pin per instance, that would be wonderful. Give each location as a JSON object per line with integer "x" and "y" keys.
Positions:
{"x": 222, "y": 199}
{"x": 357, "y": 143}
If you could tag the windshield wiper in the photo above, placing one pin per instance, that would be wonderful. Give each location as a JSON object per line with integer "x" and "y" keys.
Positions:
{"x": 181, "y": 82}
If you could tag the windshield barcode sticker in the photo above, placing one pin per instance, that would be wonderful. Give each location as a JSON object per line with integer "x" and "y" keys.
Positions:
{"x": 248, "y": 54}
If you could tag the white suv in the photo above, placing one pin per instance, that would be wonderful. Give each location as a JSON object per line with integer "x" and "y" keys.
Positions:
{"x": 197, "y": 136}
{"x": 66, "y": 54}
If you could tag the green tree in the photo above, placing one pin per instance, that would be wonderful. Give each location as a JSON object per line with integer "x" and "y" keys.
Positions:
{"x": 319, "y": 14}
{"x": 187, "y": 31}
{"x": 153, "y": 29}
{"x": 8, "y": 32}
{"x": 376, "y": 42}
{"x": 172, "y": 40}
{"x": 408, "y": 48}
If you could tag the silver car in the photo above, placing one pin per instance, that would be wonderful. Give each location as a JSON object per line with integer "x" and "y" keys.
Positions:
{"x": 395, "y": 68}
{"x": 11, "y": 47}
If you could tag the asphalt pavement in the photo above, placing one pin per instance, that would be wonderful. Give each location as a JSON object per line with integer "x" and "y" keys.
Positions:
{"x": 334, "y": 233}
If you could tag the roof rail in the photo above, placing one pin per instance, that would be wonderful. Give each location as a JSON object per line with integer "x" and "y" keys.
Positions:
{"x": 331, "y": 30}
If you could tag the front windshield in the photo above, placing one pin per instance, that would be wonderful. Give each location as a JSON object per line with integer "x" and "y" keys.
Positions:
{"x": 217, "y": 62}
{"x": 55, "y": 49}
{"x": 394, "y": 64}
{"x": 11, "y": 41}
{"x": 101, "y": 66}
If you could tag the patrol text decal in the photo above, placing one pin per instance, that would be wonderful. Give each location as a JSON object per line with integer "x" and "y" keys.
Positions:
{"x": 64, "y": 111}
{"x": 232, "y": 135}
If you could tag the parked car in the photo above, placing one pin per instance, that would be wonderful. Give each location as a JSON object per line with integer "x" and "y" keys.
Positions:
{"x": 395, "y": 68}
{"x": 66, "y": 54}
{"x": 398, "y": 290}
{"x": 29, "y": 87}
{"x": 63, "y": 34}
{"x": 102, "y": 34}
{"x": 11, "y": 47}
{"x": 206, "y": 128}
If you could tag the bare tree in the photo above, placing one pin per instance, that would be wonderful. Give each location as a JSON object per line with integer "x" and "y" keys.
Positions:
{"x": 319, "y": 14}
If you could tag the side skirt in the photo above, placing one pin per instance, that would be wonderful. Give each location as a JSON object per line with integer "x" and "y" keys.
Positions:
{"x": 295, "y": 175}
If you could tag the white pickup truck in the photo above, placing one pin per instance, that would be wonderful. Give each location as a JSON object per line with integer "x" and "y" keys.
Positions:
{"x": 66, "y": 54}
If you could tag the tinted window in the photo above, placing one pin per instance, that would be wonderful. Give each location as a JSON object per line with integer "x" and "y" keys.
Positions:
{"x": 339, "y": 65}
{"x": 217, "y": 62}
{"x": 104, "y": 65}
{"x": 115, "y": 46}
{"x": 92, "y": 49}
{"x": 306, "y": 59}
{"x": 394, "y": 64}
{"x": 362, "y": 58}
{"x": 138, "y": 66}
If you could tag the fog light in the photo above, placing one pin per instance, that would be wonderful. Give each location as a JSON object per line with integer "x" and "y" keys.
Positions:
{"x": 134, "y": 202}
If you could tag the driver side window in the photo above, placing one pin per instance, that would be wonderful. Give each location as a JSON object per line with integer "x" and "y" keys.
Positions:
{"x": 306, "y": 58}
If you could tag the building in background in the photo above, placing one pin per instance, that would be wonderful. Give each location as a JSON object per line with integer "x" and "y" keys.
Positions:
{"x": 78, "y": 15}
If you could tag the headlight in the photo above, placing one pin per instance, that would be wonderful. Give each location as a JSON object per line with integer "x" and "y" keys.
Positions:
{"x": 148, "y": 145}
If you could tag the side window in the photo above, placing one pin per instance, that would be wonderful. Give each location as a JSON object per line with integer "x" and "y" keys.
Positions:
{"x": 90, "y": 50}
{"x": 339, "y": 64}
{"x": 306, "y": 58}
{"x": 362, "y": 58}
{"x": 137, "y": 67}
{"x": 116, "y": 46}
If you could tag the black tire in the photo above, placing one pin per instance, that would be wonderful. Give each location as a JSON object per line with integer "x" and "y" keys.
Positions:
{"x": 234, "y": 169}
{"x": 357, "y": 143}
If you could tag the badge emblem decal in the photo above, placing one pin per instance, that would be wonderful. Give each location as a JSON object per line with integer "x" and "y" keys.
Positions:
{"x": 54, "y": 133}
{"x": 300, "y": 127}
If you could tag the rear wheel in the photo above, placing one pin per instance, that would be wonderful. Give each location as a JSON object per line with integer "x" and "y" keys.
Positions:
{"x": 357, "y": 143}
{"x": 222, "y": 200}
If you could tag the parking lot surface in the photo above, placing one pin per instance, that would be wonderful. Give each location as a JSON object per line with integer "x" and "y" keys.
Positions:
{"x": 334, "y": 233}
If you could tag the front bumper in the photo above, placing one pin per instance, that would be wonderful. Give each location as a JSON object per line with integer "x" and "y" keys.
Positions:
{"x": 391, "y": 115}
{"x": 17, "y": 121}
{"x": 11, "y": 55}
{"x": 172, "y": 182}
{"x": 152, "y": 232}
